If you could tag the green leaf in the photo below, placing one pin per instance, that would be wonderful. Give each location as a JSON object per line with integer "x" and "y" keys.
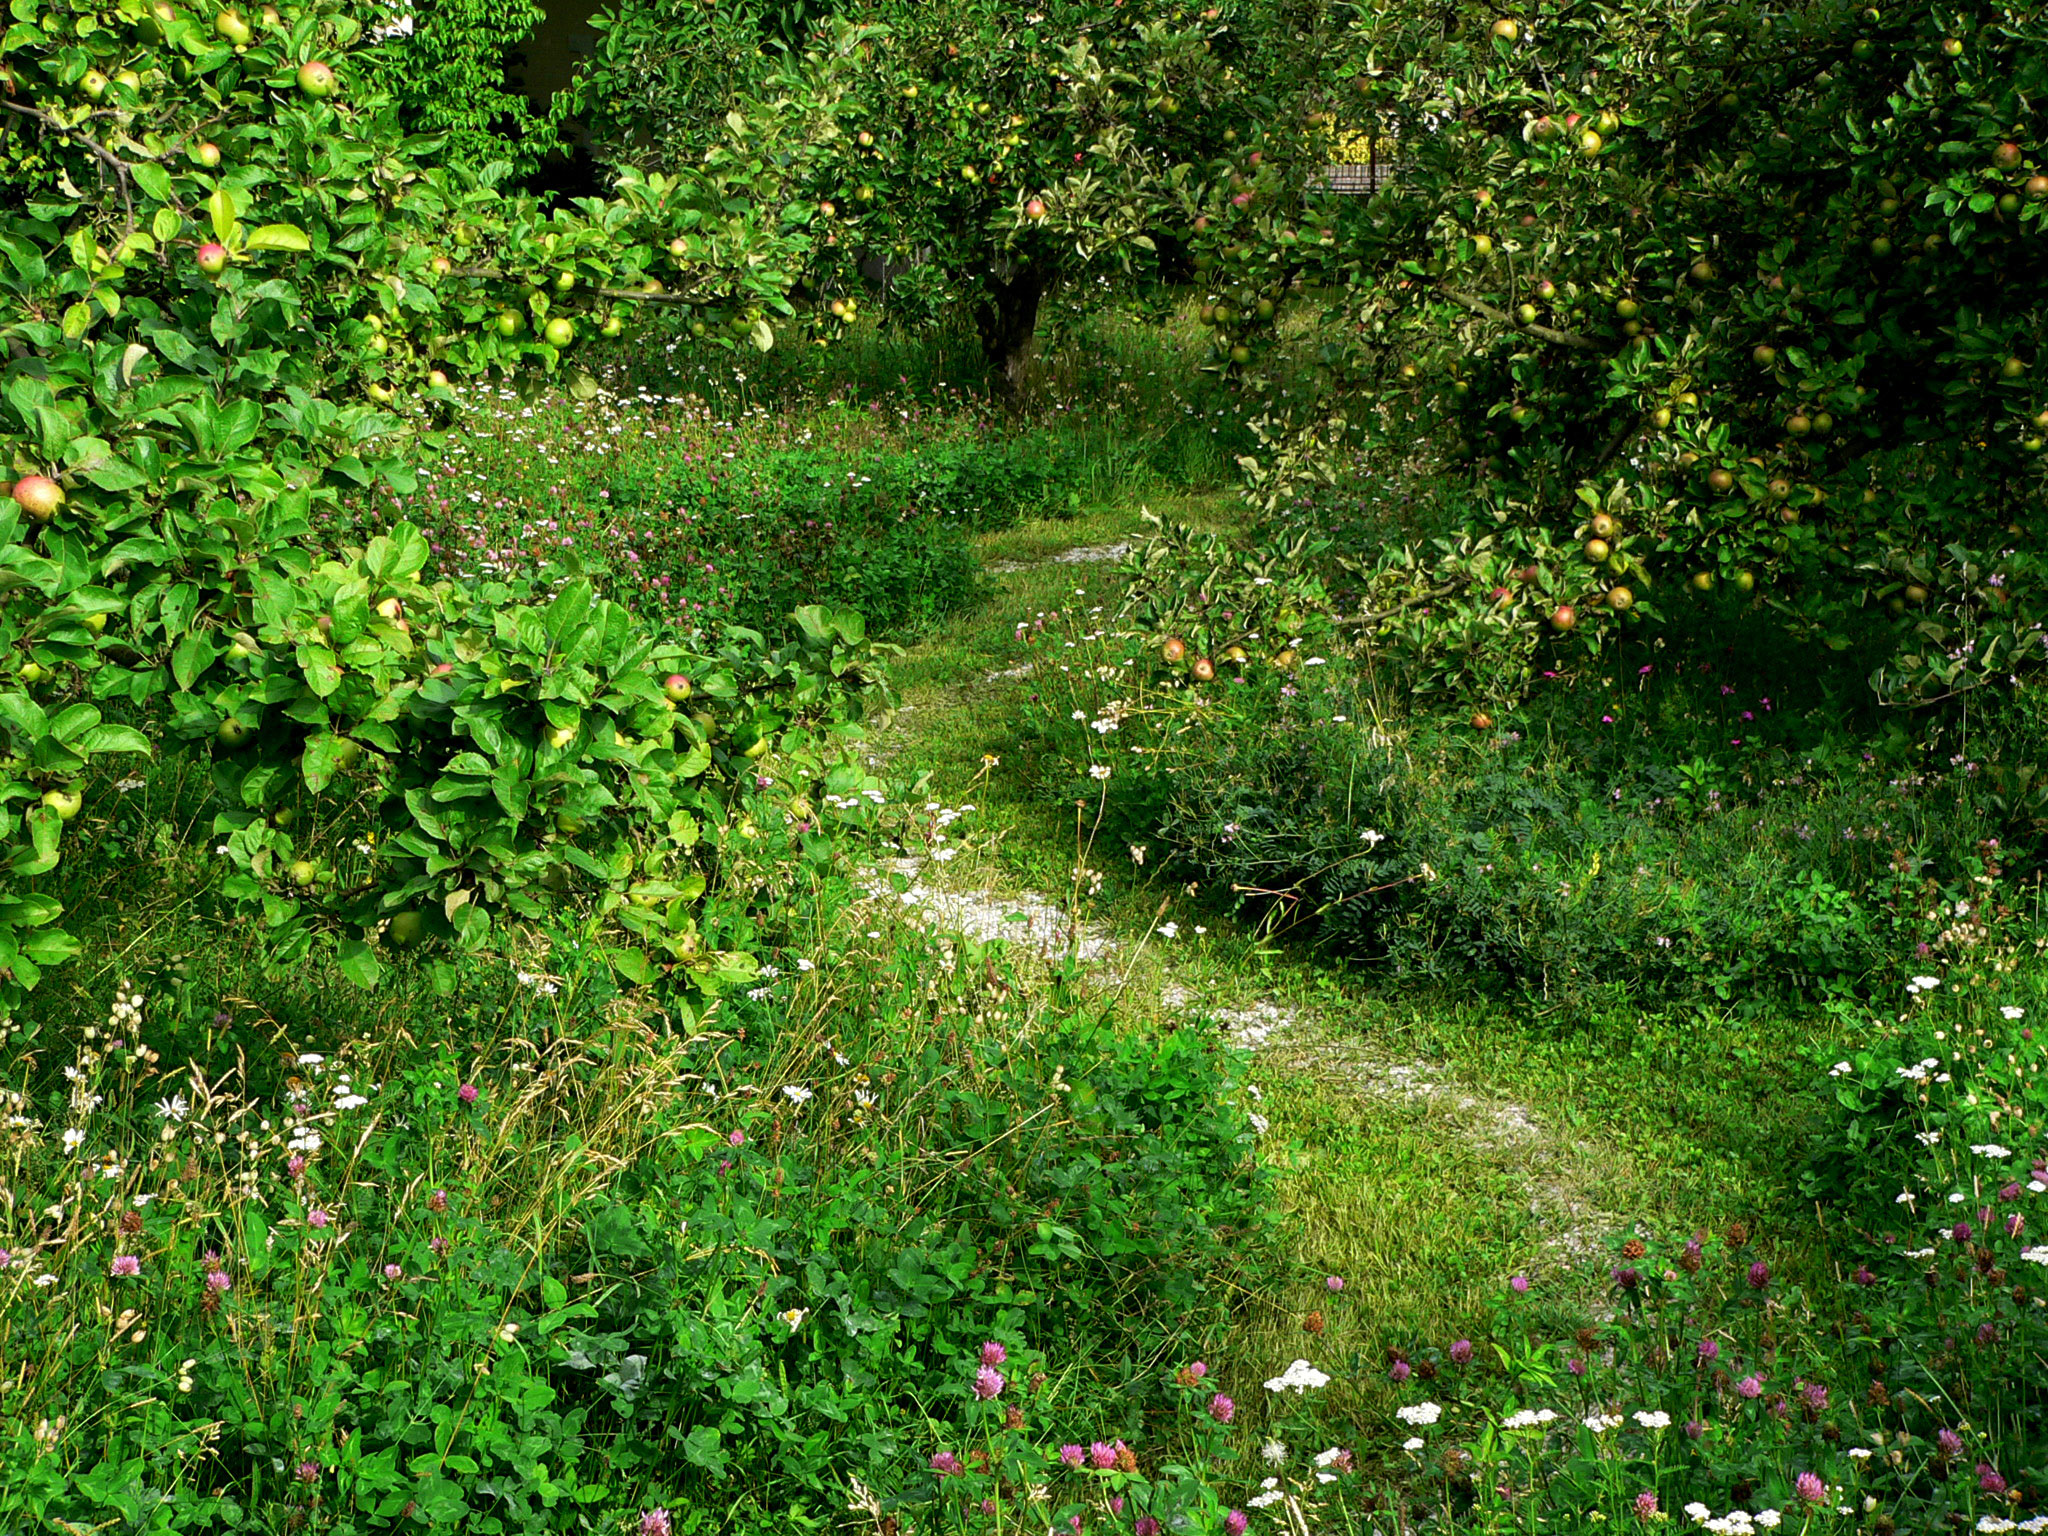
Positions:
{"x": 279, "y": 237}
{"x": 221, "y": 207}
{"x": 359, "y": 964}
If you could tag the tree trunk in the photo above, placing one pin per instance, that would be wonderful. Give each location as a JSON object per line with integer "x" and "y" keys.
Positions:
{"x": 1007, "y": 318}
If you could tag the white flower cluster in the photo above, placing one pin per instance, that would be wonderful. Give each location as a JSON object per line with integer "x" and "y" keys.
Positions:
{"x": 1994, "y": 1525}
{"x": 1736, "y": 1522}
{"x": 1419, "y": 1413}
{"x": 1529, "y": 1418}
{"x": 1298, "y": 1378}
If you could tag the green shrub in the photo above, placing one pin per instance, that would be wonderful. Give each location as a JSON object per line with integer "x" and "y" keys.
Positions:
{"x": 1547, "y": 859}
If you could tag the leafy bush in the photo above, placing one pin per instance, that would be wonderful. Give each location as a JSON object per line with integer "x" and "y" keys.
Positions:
{"x": 1600, "y": 845}
{"x": 241, "y": 294}
{"x": 445, "y": 66}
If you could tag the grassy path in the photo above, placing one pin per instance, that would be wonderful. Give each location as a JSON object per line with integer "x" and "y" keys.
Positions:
{"x": 1429, "y": 1147}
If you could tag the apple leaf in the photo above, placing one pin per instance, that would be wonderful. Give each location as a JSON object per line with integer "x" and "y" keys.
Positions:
{"x": 279, "y": 237}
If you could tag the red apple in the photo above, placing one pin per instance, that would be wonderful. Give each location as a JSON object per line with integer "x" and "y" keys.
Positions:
{"x": 39, "y": 496}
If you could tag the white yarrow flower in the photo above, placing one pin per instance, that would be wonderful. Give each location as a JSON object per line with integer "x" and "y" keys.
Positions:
{"x": 1297, "y": 1378}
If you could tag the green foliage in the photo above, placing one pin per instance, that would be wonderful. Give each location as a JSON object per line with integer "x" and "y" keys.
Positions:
{"x": 1759, "y": 286}
{"x": 540, "y": 1284}
{"x": 1682, "y": 830}
{"x": 220, "y": 315}
{"x": 991, "y": 156}
{"x": 446, "y": 72}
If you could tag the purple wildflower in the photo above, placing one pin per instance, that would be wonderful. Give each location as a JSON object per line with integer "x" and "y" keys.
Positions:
{"x": 1709, "y": 1350}
{"x": 1962, "y": 1231}
{"x": 317, "y": 1218}
{"x": 1810, "y": 1488}
{"x": 1646, "y": 1505}
{"x": 1146, "y": 1526}
{"x": 988, "y": 1383}
{"x": 1461, "y": 1352}
{"x": 1863, "y": 1276}
{"x": 1751, "y": 1387}
{"x": 946, "y": 1464}
{"x": 217, "y": 1280}
{"x": 466, "y": 1093}
{"x": 1335, "y": 1283}
{"x": 1519, "y": 1284}
{"x": 1072, "y": 1455}
{"x": 993, "y": 1353}
{"x": 1399, "y": 1372}
{"x": 1949, "y": 1443}
{"x": 1816, "y": 1396}
{"x": 1221, "y": 1408}
{"x": 1576, "y": 1366}
{"x": 393, "y": 1272}
{"x": 1235, "y": 1522}
{"x": 1101, "y": 1456}
{"x": 1759, "y": 1275}
{"x": 309, "y": 1471}
{"x": 1988, "y": 1480}
{"x": 126, "y": 1266}
{"x": 654, "y": 1522}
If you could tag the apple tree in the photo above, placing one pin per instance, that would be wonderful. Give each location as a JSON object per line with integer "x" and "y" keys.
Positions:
{"x": 235, "y": 292}
{"x": 990, "y": 152}
{"x": 1716, "y": 302}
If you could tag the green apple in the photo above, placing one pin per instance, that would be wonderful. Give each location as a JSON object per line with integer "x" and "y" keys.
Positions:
{"x": 231, "y": 26}
{"x": 316, "y": 79}
{"x": 231, "y": 734}
{"x": 559, "y": 332}
{"x": 65, "y": 802}
{"x": 510, "y": 322}
{"x": 302, "y": 872}
{"x": 405, "y": 930}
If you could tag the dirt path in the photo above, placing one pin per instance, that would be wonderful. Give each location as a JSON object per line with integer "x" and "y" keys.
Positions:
{"x": 1309, "y": 1041}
